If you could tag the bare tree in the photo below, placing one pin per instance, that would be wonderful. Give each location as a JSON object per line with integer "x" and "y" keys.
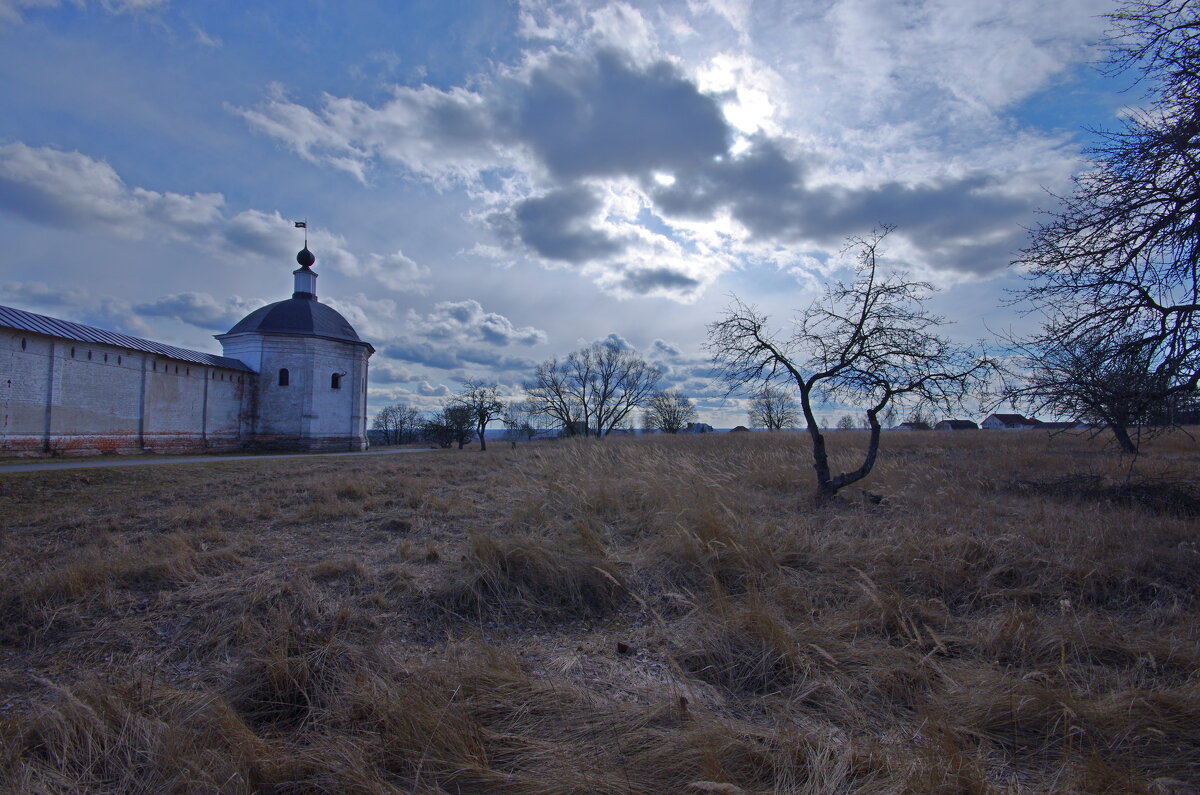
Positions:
{"x": 868, "y": 343}
{"x": 1107, "y": 382}
{"x": 521, "y": 422}
{"x": 598, "y": 386}
{"x": 774, "y": 409}
{"x": 845, "y": 423}
{"x": 1116, "y": 269}
{"x": 408, "y": 423}
{"x": 669, "y": 412}
{"x": 485, "y": 405}
{"x": 554, "y": 393}
{"x": 399, "y": 423}
{"x": 453, "y": 423}
{"x": 385, "y": 423}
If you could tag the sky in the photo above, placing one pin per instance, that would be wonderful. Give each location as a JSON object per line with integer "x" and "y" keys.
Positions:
{"x": 488, "y": 185}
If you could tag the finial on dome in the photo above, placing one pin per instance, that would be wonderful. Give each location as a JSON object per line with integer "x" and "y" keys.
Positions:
{"x": 306, "y": 277}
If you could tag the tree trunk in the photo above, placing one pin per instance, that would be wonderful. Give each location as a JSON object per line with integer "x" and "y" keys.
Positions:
{"x": 830, "y": 486}
{"x": 819, "y": 454}
{"x": 1122, "y": 435}
{"x": 482, "y": 440}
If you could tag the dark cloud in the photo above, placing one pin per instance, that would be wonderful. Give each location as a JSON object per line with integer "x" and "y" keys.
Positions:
{"x": 421, "y": 352}
{"x": 664, "y": 348}
{"x": 557, "y": 226}
{"x": 198, "y": 309}
{"x": 256, "y": 232}
{"x": 755, "y": 181}
{"x": 596, "y": 115}
{"x": 603, "y": 116}
{"x": 764, "y": 189}
{"x": 647, "y": 280}
{"x": 80, "y": 306}
{"x": 385, "y": 372}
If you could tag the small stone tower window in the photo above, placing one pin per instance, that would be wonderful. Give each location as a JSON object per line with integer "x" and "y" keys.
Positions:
{"x": 284, "y": 376}
{"x": 335, "y": 381}
{"x": 22, "y": 343}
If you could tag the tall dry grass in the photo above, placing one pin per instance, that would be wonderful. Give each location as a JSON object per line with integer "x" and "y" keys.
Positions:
{"x": 1001, "y": 612}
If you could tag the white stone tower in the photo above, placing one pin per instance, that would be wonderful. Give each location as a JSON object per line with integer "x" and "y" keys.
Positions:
{"x": 311, "y": 390}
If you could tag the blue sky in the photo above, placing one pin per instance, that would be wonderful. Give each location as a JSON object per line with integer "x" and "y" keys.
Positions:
{"x": 492, "y": 184}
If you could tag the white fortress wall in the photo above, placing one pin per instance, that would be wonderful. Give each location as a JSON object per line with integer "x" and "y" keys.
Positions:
{"x": 77, "y": 398}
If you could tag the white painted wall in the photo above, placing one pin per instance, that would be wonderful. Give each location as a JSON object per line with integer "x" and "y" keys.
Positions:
{"x": 308, "y": 412}
{"x": 70, "y": 397}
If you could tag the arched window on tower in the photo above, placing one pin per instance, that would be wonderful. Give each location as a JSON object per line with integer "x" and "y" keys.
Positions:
{"x": 335, "y": 381}
{"x": 283, "y": 376}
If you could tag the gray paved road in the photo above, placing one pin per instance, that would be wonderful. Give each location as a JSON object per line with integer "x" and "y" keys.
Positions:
{"x": 83, "y": 463}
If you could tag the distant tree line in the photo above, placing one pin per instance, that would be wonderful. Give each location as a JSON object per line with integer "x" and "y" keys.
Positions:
{"x": 590, "y": 392}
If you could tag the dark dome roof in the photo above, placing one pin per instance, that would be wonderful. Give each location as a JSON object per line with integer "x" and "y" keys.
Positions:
{"x": 306, "y": 258}
{"x": 298, "y": 316}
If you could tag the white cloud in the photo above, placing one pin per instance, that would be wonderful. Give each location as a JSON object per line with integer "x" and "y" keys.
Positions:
{"x": 122, "y": 6}
{"x": 60, "y": 188}
{"x": 430, "y": 390}
{"x": 204, "y": 38}
{"x": 443, "y": 136}
{"x": 12, "y": 11}
{"x": 468, "y": 321}
{"x": 71, "y": 190}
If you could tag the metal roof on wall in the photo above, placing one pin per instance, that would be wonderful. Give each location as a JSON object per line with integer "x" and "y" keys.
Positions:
{"x": 65, "y": 329}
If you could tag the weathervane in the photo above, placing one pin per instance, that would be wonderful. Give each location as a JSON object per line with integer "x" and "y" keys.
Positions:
{"x": 303, "y": 225}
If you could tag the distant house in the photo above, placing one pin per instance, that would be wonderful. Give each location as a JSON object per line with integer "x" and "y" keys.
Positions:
{"x": 956, "y": 425}
{"x": 1008, "y": 422}
{"x": 698, "y": 427}
{"x": 739, "y": 429}
{"x": 911, "y": 426}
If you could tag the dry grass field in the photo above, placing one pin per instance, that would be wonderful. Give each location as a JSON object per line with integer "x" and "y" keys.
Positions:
{"x": 1000, "y": 612}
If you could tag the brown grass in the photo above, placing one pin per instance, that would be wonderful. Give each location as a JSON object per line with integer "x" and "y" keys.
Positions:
{"x": 1004, "y": 612}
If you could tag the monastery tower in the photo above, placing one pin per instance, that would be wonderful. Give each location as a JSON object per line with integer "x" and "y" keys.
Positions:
{"x": 311, "y": 391}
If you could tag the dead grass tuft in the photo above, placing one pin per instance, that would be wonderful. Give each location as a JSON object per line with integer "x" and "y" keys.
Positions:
{"x": 517, "y": 572}
{"x": 136, "y": 737}
{"x": 1156, "y": 494}
{"x": 747, "y": 649}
